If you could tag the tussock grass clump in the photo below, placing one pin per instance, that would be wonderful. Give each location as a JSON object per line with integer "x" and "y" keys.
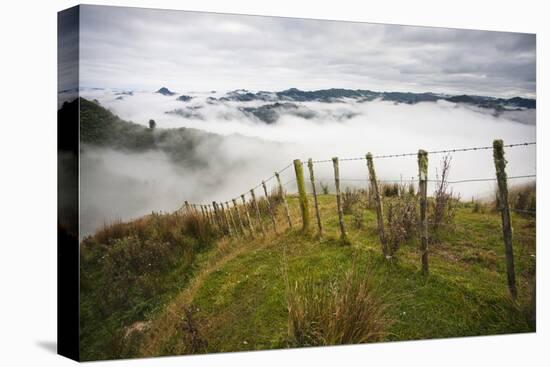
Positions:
{"x": 349, "y": 310}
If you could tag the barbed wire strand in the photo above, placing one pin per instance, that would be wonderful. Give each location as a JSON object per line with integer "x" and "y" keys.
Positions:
{"x": 455, "y": 150}
{"x": 450, "y": 182}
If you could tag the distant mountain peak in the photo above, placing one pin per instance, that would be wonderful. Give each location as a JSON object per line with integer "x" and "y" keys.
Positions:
{"x": 165, "y": 92}
{"x": 365, "y": 95}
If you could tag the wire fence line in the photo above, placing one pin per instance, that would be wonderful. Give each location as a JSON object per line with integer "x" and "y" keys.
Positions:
{"x": 443, "y": 151}
{"x": 383, "y": 156}
{"x": 433, "y": 181}
{"x": 223, "y": 216}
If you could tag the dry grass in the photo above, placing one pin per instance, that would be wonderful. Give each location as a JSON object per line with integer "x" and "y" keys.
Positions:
{"x": 324, "y": 188}
{"x": 401, "y": 220}
{"x": 523, "y": 198}
{"x": 389, "y": 189}
{"x": 350, "y": 197}
{"x": 347, "y": 311}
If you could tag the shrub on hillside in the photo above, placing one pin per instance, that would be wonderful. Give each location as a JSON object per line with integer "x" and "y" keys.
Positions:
{"x": 389, "y": 189}
{"x": 442, "y": 209}
{"x": 127, "y": 269}
{"x": 349, "y": 199}
{"x": 523, "y": 198}
{"x": 324, "y": 188}
{"x": 401, "y": 221}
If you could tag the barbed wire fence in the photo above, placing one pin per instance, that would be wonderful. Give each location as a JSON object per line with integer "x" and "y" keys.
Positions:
{"x": 244, "y": 216}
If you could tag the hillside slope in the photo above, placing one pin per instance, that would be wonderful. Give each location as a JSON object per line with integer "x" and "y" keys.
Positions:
{"x": 232, "y": 294}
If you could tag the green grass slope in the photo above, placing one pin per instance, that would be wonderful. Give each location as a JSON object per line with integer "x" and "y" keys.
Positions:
{"x": 233, "y": 297}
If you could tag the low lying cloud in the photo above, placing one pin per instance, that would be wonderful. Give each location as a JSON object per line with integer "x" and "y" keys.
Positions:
{"x": 123, "y": 185}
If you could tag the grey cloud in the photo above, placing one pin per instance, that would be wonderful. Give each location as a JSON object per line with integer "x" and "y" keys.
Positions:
{"x": 144, "y": 49}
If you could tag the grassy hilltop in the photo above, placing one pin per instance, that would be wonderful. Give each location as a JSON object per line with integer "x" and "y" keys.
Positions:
{"x": 171, "y": 284}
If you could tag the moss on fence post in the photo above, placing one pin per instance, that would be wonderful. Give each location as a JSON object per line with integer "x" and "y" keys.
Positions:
{"x": 231, "y": 218}
{"x": 343, "y": 234}
{"x": 378, "y": 200}
{"x": 315, "y": 201}
{"x": 302, "y": 195}
{"x": 217, "y": 215}
{"x": 500, "y": 165}
{"x": 423, "y": 188}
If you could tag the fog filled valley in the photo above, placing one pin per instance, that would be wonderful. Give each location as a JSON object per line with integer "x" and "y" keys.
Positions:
{"x": 213, "y": 145}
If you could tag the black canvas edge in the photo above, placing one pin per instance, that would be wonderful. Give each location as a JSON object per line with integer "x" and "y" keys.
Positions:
{"x": 68, "y": 262}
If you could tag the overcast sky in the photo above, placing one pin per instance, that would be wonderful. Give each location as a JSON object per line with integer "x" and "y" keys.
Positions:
{"x": 134, "y": 48}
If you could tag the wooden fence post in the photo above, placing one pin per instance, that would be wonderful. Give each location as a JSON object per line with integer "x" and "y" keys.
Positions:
{"x": 500, "y": 165}
{"x": 218, "y": 217}
{"x": 315, "y": 200}
{"x": 283, "y": 196}
{"x": 226, "y": 220}
{"x": 258, "y": 214}
{"x": 423, "y": 189}
{"x": 187, "y": 209}
{"x": 231, "y": 218}
{"x": 211, "y": 214}
{"x": 378, "y": 200}
{"x": 269, "y": 208}
{"x": 250, "y": 226}
{"x": 203, "y": 213}
{"x": 339, "y": 198}
{"x": 239, "y": 219}
{"x": 302, "y": 195}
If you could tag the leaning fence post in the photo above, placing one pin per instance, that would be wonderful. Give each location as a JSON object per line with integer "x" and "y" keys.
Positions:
{"x": 231, "y": 218}
{"x": 217, "y": 216}
{"x": 338, "y": 198}
{"x": 239, "y": 219}
{"x": 315, "y": 200}
{"x": 203, "y": 213}
{"x": 500, "y": 165}
{"x": 304, "y": 206}
{"x": 257, "y": 207}
{"x": 187, "y": 209}
{"x": 283, "y": 196}
{"x": 423, "y": 189}
{"x": 209, "y": 213}
{"x": 247, "y": 216}
{"x": 378, "y": 200}
{"x": 212, "y": 215}
{"x": 226, "y": 219}
{"x": 269, "y": 208}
